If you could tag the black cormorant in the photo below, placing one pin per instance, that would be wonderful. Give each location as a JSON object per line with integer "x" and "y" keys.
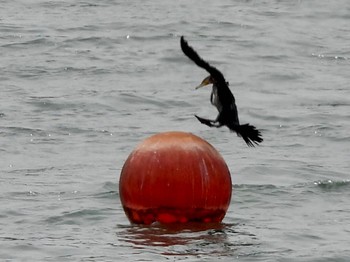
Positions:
{"x": 222, "y": 98}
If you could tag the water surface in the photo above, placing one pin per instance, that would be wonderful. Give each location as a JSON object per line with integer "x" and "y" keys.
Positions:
{"x": 83, "y": 82}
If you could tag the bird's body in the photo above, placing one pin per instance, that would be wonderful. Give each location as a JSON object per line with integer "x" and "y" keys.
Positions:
{"x": 214, "y": 99}
{"x": 223, "y": 99}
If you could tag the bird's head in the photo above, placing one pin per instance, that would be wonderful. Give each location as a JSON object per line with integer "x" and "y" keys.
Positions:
{"x": 206, "y": 81}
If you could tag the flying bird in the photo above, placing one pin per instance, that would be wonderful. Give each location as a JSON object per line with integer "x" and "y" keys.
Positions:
{"x": 223, "y": 99}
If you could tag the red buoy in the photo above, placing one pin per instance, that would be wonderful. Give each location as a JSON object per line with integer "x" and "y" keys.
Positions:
{"x": 175, "y": 177}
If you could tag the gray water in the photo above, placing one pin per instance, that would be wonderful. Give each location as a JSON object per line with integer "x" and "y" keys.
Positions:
{"x": 83, "y": 82}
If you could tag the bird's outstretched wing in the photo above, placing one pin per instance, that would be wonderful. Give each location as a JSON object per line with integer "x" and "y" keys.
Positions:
{"x": 190, "y": 53}
{"x": 226, "y": 97}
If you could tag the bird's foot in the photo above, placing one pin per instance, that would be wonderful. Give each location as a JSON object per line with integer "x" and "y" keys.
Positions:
{"x": 204, "y": 121}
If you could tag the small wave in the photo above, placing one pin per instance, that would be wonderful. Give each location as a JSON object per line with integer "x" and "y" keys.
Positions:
{"x": 94, "y": 39}
{"x": 276, "y": 57}
{"x": 49, "y": 105}
{"x": 85, "y": 4}
{"x": 109, "y": 191}
{"x": 137, "y": 99}
{"x": 11, "y": 238}
{"x": 75, "y": 217}
{"x": 63, "y": 4}
{"x": 255, "y": 186}
{"x": 92, "y": 70}
{"x": 283, "y": 77}
{"x": 252, "y": 192}
{"x": 330, "y": 57}
{"x": 32, "y": 171}
{"x": 334, "y": 104}
{"x": 332, "y": 185}
{"x": 32, "y": 72}
{"x": 110, "y": 186}
{"x": 15, "y": 130}
{"x": 327, "y": 185}
{"x": 24, "y": 44}
{"x": 156, "y": 37}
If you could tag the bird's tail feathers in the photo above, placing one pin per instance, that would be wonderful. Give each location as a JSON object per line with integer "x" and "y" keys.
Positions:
{"x": 249, "y": 133}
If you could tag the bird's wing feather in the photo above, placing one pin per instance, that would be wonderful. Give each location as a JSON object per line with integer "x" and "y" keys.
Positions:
{"x": 226, "y": 97}
{"x": 190, "y": 53}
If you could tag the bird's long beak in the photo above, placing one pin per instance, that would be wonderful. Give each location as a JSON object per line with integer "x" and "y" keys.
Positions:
{"x": 206, "y": 81}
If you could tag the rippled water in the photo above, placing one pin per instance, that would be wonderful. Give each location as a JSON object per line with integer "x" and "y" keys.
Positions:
{"x": 83, "y": 82}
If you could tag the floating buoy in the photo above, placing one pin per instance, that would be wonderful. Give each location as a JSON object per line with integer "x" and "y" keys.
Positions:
{"x": 175, "y": 177}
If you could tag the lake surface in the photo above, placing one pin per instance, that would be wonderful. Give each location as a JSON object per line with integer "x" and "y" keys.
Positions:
{"x": 83, "y": 82}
